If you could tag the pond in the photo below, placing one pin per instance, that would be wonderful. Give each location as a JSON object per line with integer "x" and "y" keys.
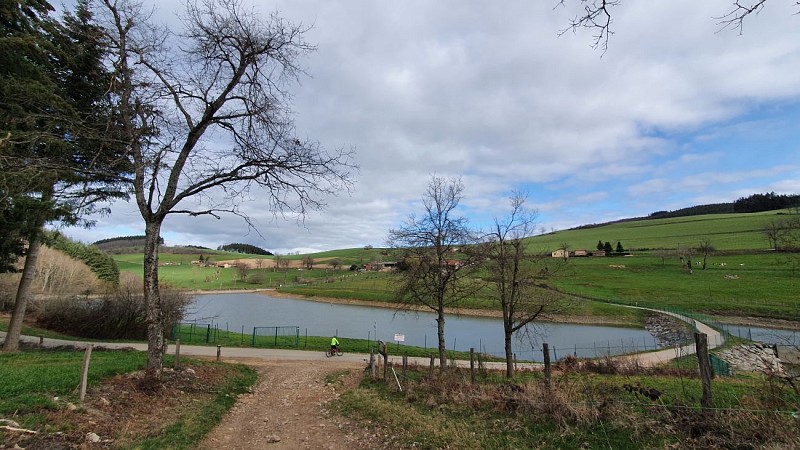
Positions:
{"x": 777, "y": 336}
{"x": 240, "y": 312}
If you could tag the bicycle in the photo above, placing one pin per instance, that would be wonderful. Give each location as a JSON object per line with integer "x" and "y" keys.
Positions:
{"x": 333, "y": 351}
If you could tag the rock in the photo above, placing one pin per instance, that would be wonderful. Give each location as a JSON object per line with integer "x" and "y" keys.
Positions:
{"x": 92, "y": 437}
{"x": 667, "y": 330}
{"x": 752, "y": 358}
{"x": 271, "y": 439}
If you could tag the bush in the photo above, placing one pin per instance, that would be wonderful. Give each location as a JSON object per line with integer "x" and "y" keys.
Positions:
{"x": 8, "y": 289}
{"x": 116, "y": 315}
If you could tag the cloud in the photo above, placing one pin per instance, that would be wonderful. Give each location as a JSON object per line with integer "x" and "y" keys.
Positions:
{"x": 670, "y": 114}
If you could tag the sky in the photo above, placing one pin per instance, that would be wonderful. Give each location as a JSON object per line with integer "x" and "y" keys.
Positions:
{"x": 677, "y": 112}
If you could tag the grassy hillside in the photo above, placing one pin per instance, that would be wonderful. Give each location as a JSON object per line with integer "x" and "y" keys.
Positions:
{"x": 737, "y": 232}
{"x": 742, "y": 278}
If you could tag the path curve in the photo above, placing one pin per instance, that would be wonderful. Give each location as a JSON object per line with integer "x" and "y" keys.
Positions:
{"x": 649, "y": 359}
{"x": 645, "y": 359}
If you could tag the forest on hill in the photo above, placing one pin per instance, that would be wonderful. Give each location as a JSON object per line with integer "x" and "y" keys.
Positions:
{"x": 750, "y": 204}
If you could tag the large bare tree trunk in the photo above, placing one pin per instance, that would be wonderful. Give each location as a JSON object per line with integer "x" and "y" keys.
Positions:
{"x": 23, "y": 293}
{"x": 440, "y": 334}
{"x": 509, "y": 352}
{"x": 152, "y": 297}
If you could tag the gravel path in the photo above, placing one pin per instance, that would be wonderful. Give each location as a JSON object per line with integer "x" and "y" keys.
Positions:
{"x": 287, "y": 409}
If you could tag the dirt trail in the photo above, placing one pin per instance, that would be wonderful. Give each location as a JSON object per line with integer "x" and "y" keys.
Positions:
{"x": 287, "y": 409}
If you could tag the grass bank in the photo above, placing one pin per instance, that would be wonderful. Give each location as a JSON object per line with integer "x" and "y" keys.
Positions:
{"x": 38, "y": 392}
{"x": 579, "y": 410}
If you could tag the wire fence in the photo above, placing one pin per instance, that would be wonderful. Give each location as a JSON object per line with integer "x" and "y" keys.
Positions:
{"x": 276, "y": 336}
{"x": 289, "y": 336}
{"x": 193, "y": 332}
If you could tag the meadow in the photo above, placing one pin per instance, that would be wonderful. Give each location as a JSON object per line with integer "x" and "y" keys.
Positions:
{"x": 576, "y": 410}
{"x": 581, "y": 410}
{"x": 39, "y": 393}
{"x": 742, "y": 276}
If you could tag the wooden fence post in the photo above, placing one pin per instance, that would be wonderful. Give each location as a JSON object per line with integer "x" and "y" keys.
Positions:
{"x": 384, "y": 352}
{"x": 546, "y": 352}
{"x": 701, "y": 348}
{"x": 430, "y": 371}
{"x": 87, "y": 356}
{"x": 219, "y": 353}
{"x": 405, "y": 368}
{"x": 372, "y": 372}
{"x": 177, "y": 354}
{"x": 472, "y": 365}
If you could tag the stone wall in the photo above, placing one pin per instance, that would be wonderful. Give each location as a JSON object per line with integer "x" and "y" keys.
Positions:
{"x": 752, "y": 358}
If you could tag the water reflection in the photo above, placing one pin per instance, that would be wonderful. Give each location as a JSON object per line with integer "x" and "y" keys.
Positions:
{"x": 242, "y": 312}
{"x": 766, "y": 335}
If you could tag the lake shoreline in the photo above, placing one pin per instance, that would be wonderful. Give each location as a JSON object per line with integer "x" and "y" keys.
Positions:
{"x": 557, "y": 318}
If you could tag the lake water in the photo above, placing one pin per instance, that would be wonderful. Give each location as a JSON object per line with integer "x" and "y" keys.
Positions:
{"x": 766, "y": 335}
{"x": 242, "y": 312}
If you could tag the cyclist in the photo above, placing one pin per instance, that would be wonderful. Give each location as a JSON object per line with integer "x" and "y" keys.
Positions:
{"x": 334, "y": 345}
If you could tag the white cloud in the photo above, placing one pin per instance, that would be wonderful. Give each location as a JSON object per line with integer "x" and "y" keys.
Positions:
{"x": 489, "y": 92}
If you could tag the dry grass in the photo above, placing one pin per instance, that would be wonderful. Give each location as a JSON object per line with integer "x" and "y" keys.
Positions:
{"x": 583, "y": 404}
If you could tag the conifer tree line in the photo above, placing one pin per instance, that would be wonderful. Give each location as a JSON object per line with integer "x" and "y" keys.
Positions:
{"x": 244, "y": 248}
{"x": 606, "y": 247}
{"x": 101, "y": 263}
{"x": 765, "y": 202}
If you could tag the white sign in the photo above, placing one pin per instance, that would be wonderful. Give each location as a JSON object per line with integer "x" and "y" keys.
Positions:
{"x": 399, "y": 337}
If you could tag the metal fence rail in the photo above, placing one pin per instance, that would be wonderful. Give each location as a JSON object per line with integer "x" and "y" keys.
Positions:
{"x": 192, "y": 332}
{"x": 276, "y": 336}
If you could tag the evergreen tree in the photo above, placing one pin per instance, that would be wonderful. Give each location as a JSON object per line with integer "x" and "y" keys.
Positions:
{"x": 57, "y": 152}
{"x": 619, "y": 247}
{"x": 600, "y": 245}
{"x": 607, "y": 247}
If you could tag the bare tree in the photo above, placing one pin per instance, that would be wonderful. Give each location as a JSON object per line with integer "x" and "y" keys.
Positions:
{"x": 308, "y": 262}
{"x": 734, "y": 18}
{"x": 772, "y": 231}
{"x": 597, "y": 17}
{"x": 516, "y": 274}
{"x": 791, "y": 238}
{"x": 335, "y": 263}
{"x": 206, "y": 116}
{"x": 663, "y": 254}
{"x": 706, "y": 248}
{"x": 242, "y": 270}
{"x": 437, "y": 273}
{"x": 787, "y": 233}
{"x": 685, "y": 255}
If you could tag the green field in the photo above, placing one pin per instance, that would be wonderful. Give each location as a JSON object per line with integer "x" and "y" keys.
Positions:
{"x": 739, "y": 232}
{"x": 742, "y": 276}
{"x": 39, "y": 384}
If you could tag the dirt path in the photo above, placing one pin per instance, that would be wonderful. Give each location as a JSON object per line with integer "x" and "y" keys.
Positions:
{"x": 287, "y": 409}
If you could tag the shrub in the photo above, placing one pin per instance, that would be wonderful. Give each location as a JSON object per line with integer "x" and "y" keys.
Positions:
{"x": 100, "y": 262}
{"x": 117, "y": 315}
{"x": 59, "y": 273}
{"x": 8, "y": 289}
